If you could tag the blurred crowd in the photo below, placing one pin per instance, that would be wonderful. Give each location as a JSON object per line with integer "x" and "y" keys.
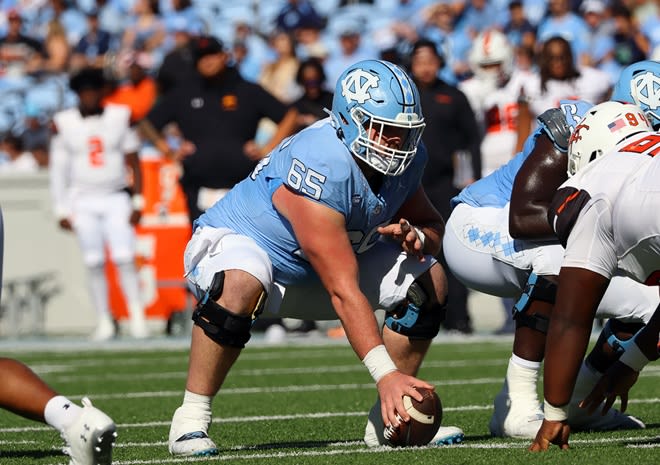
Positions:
{"x": 43, "y": 41}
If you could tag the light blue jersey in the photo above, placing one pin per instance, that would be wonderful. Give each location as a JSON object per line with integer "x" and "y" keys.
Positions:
{"x": 314, "y": 163}
{"x": 495, "y": 189}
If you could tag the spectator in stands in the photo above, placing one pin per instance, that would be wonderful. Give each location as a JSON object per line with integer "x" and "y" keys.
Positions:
{"x": 69, "y": 16}
{"x": 351, "y": 50}
{"x": 56, "y": 48}
{"x": 217, "y": 113}
{"x": 92, "y": 47}
{"x": 518, "y": 29}
{"x": 178, "y": 66}
{"x": 630, "y": 45}
{"x": 315, "y": 99}
{"x": 279, "y": 76}
{"x": 439, "y": 27}
{"x": 599, "y": 50}
{"x": 299, "y": 13}
{"x": 563, "y": 22}
{"x": 19, "y": 54}
{"x": 147, "y": 32}
{"x": 19, "y": 160}
{"x": 447, "y": 111}
{"x": 253, "y": 50}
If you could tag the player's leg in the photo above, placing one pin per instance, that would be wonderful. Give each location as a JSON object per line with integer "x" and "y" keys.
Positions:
{"x": 231, "y": 289}
{"x": 120, "y": 236}
{"x": 416, "y": 310}
{"x": 88, "y": 226}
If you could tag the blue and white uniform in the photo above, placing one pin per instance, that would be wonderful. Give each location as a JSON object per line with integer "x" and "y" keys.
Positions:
{"x": 317, "y": 164}
{"x": 481, "y": 253}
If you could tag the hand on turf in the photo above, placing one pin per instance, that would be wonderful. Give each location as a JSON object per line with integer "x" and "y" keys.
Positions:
{"x": 404, "y": 233}
{"x": 616, "y": 381}
{"x": 551, "y": 432}
{"x": 391, "y": 389}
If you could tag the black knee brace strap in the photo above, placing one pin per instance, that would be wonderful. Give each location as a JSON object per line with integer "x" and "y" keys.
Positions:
{"x": 536, "y": 288}
{"x": 415, "y": 317}
{"x": 218, "y": 323}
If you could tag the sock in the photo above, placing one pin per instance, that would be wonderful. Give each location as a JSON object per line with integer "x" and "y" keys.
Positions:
{"x": 586, "y": 380}
{"x": 521, "y": 377}
{"x": 60, "y": 412}
{"x": 131, "y": 289}
{"x": 98, "y": 286}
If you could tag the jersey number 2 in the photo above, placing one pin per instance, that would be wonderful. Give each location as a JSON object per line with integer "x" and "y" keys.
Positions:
{"x": 95, "y": 145}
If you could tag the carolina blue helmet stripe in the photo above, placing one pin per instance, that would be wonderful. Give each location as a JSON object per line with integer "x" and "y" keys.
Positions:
{"x": 406, "y": 88}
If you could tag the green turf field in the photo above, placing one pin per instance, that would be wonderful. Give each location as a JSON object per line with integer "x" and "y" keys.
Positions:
{"x": 304, "y": 405}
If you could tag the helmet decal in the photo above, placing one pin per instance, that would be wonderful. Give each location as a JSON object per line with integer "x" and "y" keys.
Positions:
{"x": 355, "y": 86}
{"x": 646, "y": 88}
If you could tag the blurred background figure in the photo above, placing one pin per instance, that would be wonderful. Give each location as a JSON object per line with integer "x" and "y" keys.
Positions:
{"x": 17, "y": 159}
{"x": 452, "y": 129}
{"x": 278, "y": 76}
{"x": 93, "y": 46}
{"x": 89, "y": 156}
{"x": 315, "y": 98}
{"x": 19, "y": 54}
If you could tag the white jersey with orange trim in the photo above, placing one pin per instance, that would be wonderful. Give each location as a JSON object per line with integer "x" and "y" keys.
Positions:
{"x": 592, "y": 85}
{"x": 87, "y": 155}
{"x": 496, "y": 110}
{"x": 582, "y": 209}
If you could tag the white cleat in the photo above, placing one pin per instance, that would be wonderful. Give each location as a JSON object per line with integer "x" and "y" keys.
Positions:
{"x": 374, "y": 437}
{"x": 138, "y": 329}
{"x": 105, "y": 330}
{"x": 91, "y": 437}
{"x": 515, "y": 419}
{"x": 189, "y": 437}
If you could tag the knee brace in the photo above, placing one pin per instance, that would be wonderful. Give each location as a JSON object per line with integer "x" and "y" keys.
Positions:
{"x": 536, "y": 288}
{"x": 219, "y": 323}
{"x": 416, "y": 317}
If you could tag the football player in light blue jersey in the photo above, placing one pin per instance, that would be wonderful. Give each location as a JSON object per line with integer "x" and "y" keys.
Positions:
{"x": 498, "y": 241}
{"x": 333, "y": 223}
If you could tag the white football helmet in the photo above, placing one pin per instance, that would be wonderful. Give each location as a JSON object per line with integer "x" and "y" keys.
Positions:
{"x": 491, "y": 47}
{"x": 601, "y": 129}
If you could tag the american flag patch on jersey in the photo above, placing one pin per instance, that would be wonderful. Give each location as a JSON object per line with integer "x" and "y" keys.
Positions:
{"x": 616, "y": 125}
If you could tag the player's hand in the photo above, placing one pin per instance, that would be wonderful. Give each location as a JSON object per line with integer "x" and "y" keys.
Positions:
{"x": 135, "y": 217}
{"x": 551, "y": 432}
{"x": 404, "y": 233}
{"x": 66, "y": 224}
{"x": 391, "y": 389}
{"x": 252, "y": 150}
{"x": 186, "y": 148}
{"x": 616, "y": 381}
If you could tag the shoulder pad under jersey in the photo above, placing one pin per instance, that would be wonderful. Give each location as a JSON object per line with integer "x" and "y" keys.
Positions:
{"x": 553, "y": 122}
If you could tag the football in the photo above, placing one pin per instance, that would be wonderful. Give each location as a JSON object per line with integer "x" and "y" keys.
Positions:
{"x": 425, "y": 419}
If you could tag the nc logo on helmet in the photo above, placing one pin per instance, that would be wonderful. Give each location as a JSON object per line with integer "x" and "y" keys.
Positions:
{"x": 645, "y": 87}
{"x": 355, "y": 86}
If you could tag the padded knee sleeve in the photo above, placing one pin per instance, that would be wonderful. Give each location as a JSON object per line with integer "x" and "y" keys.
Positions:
{"x": 415, "y": 317}
{"x": 536, "y": 288}
{"x": 220, "y": 324}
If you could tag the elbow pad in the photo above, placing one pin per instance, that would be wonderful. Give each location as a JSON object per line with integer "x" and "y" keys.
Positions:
{"x": 553, "y": 122}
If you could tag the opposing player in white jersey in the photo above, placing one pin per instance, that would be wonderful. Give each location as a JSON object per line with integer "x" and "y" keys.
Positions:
{"x": 606, "y": 217}
{"x": 88, "y": 158}
{"x": 496, "y": 242}
{"x": 89, "y": 433}
{"x": 493, "y": 93}
{"x": 332, "y": 224}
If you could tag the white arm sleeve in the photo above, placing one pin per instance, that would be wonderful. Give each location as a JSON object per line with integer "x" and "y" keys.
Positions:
{"x": 59, "y": 167}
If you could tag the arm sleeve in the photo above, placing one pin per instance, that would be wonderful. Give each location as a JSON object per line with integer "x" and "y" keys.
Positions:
{"x": 59, "y": 169}
{"x": 270, "y": 107}
{"x": 163, "y": 112}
